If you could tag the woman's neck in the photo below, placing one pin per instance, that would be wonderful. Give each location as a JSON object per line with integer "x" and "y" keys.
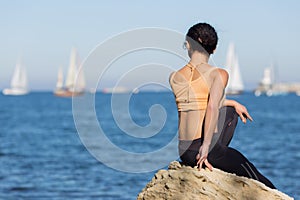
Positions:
{"x": 198, "y": 58}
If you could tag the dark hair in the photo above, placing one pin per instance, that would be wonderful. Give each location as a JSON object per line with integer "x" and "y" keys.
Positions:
{"x": 202, "y": 37}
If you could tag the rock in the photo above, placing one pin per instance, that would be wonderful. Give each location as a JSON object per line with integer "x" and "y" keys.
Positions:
{"x": 183, "y": 182}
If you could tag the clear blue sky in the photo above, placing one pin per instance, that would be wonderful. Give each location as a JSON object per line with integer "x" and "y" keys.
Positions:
{"x": 43, "y": 32}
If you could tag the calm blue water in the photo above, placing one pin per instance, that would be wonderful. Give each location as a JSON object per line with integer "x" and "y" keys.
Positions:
{"x": 42, "y": 157}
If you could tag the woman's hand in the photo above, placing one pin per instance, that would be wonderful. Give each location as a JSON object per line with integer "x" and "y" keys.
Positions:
{"x": 202, "y": 157}
{"x": 242, "y": 112}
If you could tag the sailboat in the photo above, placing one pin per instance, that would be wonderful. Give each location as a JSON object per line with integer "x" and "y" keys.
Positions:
{"x": 235, "y": 83}
{"x": 75, "y": 82}
{"x": 270, "y": 87}
{"x": 265, "y": 85}
{"x": 18, "y": 84}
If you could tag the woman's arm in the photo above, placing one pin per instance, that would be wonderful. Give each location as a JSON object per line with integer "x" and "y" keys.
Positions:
{"x": 239, "y": 108}
{"x": 219, "y": 83}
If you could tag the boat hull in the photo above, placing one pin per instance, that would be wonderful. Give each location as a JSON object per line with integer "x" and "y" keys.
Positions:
{"x": 14, "y": 91}
{"x": 67, "y": 93}
{"x": 234, "y": 92}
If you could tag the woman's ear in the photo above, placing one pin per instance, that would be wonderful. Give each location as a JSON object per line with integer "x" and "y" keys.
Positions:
{"x": 214, "y": 51}
{"x": 186, "y": 45}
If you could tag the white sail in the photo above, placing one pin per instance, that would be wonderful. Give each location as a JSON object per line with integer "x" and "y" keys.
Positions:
{"x": 235, "y": 82}
{"x": 75, "y": 82}
{"x": 23, "y": 79}
{"x": 18, "y": 82}
{"x": 80, "y": 80}
{"x": 75, "y": 74}
{"x": 267, "y": 78}
{"x": 230, "y": 56}
{"x": 269, "y": 86}
{"x": 60, "y": 79}
{"x": 236, "y": 79}
{"x": 15, "y": 81}
{"x": 70, "y": 80}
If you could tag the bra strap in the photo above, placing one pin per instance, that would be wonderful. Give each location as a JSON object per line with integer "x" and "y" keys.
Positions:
{"x": 192, "y": 67}
{"x": 192, "y": 72}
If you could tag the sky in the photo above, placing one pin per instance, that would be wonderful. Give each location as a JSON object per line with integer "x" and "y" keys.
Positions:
{"x": 41, "y": 34}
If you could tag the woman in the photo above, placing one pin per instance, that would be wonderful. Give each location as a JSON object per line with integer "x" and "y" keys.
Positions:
{"x": 206, "y": 119}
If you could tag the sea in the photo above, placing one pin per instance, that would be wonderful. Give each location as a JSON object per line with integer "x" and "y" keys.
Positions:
{"x": 43, "y": 155}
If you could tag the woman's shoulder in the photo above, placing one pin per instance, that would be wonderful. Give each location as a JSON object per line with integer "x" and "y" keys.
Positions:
{"x": 178, "y": 75}
{"x": 221, "y": 74}
{"x": 216, "y": 71}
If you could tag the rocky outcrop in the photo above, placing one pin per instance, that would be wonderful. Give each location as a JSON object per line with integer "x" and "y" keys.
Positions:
{"x": 183, "y": 182}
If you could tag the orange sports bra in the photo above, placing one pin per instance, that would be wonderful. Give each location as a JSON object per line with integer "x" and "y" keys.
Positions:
{"x": 192, "y": 94}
